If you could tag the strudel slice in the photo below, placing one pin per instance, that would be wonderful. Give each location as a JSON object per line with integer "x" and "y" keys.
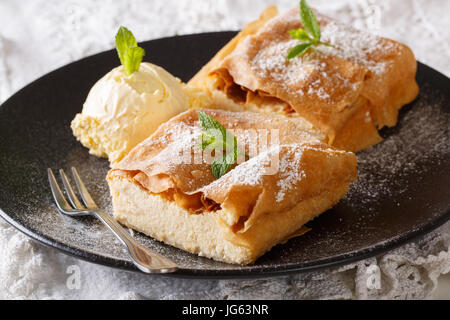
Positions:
{"x": 165, "y": 187}
{"x": 348, "y": 91}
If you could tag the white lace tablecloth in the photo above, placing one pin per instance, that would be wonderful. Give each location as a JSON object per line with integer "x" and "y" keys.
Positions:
{"x": 37, "y": 36}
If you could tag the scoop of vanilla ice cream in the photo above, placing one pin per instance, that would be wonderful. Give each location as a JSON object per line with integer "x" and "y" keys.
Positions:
{"x": 121, "y": 111}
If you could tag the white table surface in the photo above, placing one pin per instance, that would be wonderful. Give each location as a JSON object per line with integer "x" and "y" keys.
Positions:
{"x": 37, "y": 36}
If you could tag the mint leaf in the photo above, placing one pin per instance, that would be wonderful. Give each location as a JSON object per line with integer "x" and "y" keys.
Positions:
{"x": 209, "y": 125}
{"x": 221, "y": 165}
{"x": 309, "y": 20}
{"x": 206, "y": 140}
{"x": 129, "y": 53}
{"x": 132, "y": 59}
{"x": 215, "y": 133}
{"x": 124, "y": 40}
{"x": 300, "y": 34}
{"x": 216, "y": 137}
{"x": 298, "y": 50}
{"x": 310, "y": 35}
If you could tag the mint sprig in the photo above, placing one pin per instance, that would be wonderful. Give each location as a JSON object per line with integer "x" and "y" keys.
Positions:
{"x": 130, "y": 54}
{"x": 299, "y": 50}
{"x": 309, "y": 20}
{"x": 216, "y": 137}
{"x": 222, "y": 164}
{"x": 310, "y": 36}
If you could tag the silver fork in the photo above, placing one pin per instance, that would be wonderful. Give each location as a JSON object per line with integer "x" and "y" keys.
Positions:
{"x": 146, "y": 260}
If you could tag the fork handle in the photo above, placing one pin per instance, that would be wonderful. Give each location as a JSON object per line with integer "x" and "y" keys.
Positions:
{"x": 145, "y": 259}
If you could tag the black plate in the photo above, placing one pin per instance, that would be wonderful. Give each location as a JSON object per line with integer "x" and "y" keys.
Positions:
{"x": 403, "y": 188}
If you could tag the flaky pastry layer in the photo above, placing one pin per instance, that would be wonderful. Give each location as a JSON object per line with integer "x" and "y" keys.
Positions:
{"x": 348, "y": 91}
{"x": 245, "y": 212}
{"x": 204, "y": 234}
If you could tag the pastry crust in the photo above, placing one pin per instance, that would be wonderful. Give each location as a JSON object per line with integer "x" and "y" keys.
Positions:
{"x": 348, "y": 91}
{"x": 203, "y": 234}
{"x": 244, "y": 213}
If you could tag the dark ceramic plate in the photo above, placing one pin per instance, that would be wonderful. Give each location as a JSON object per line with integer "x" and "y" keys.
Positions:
{"x": 403, "y": 188}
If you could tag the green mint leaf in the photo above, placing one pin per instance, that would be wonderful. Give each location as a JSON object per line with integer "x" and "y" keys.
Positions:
{"x": 214, "y": 129}
{"x": 309, "y": 20}
{"x": 132, "y": 59}
{"x": 129, "y": 53}
{"x": 210, "y": 125}
{"x": 124, "y": 40}
{"x": 310, "y": 35}
{"x": 300, "y": 34}
{"x": 221, "y": 165}
{"x": 206, "y": 141}
{"x": 216, "y": 137}
{"x": 215, "y": 145}
{"x": 299, "y": 50}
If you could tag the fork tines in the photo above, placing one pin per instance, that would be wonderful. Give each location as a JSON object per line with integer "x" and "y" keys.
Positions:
{"x": 75, "y": 204}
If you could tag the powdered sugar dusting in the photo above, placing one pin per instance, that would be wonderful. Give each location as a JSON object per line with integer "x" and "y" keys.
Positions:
{"x": 421, "y": 142}
{"x": 271, "y": 61}
{"x": 355, "y": 45}
{"x": 294, "y": 75}
{"x": 250, "y": 172}
{"x": 181, "y": 141}
{"x": 289, "y": 172}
